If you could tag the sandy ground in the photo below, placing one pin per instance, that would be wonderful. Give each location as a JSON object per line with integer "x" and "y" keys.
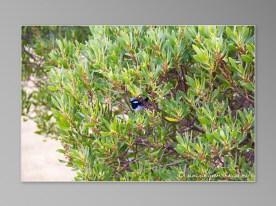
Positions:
{"x": 39, "y": 158}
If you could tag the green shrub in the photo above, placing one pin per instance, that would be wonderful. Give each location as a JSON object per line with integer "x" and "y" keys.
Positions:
{"x": 198, "y": 121}
{"x": 37, "y": 42}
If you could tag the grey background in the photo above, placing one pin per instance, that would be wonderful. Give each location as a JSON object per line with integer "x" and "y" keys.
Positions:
{"x": 13, "y": 14}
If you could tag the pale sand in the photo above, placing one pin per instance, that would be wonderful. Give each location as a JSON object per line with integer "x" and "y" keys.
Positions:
{"x": 39, "y": 158}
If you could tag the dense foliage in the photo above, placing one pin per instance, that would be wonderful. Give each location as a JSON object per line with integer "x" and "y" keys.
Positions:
{"x": 197, "y": 122}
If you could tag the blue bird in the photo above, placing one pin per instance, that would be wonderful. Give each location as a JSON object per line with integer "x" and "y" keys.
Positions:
{"x": 138, "y": 103}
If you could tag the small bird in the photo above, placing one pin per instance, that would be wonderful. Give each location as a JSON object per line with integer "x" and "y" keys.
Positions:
{"x": 138, "y": 103}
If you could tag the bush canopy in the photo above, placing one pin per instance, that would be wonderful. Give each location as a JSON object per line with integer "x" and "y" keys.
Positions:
{"x": 145, "y": 103}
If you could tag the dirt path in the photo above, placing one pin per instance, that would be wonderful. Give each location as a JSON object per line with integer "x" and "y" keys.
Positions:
{"x": 39, "y": 158}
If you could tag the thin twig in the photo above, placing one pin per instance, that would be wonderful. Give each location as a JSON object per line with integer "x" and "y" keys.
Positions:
{"x": 174, "y": 163}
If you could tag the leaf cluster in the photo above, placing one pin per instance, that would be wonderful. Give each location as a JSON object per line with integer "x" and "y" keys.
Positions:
{"x": 198, "y": 123}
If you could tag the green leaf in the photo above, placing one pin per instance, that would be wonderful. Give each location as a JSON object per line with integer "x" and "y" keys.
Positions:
{"x": 247, "y": 58}
{"x": 180, "y": 149}
{"x": 179, "y": 139}
{"x": 171, "y": 119}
